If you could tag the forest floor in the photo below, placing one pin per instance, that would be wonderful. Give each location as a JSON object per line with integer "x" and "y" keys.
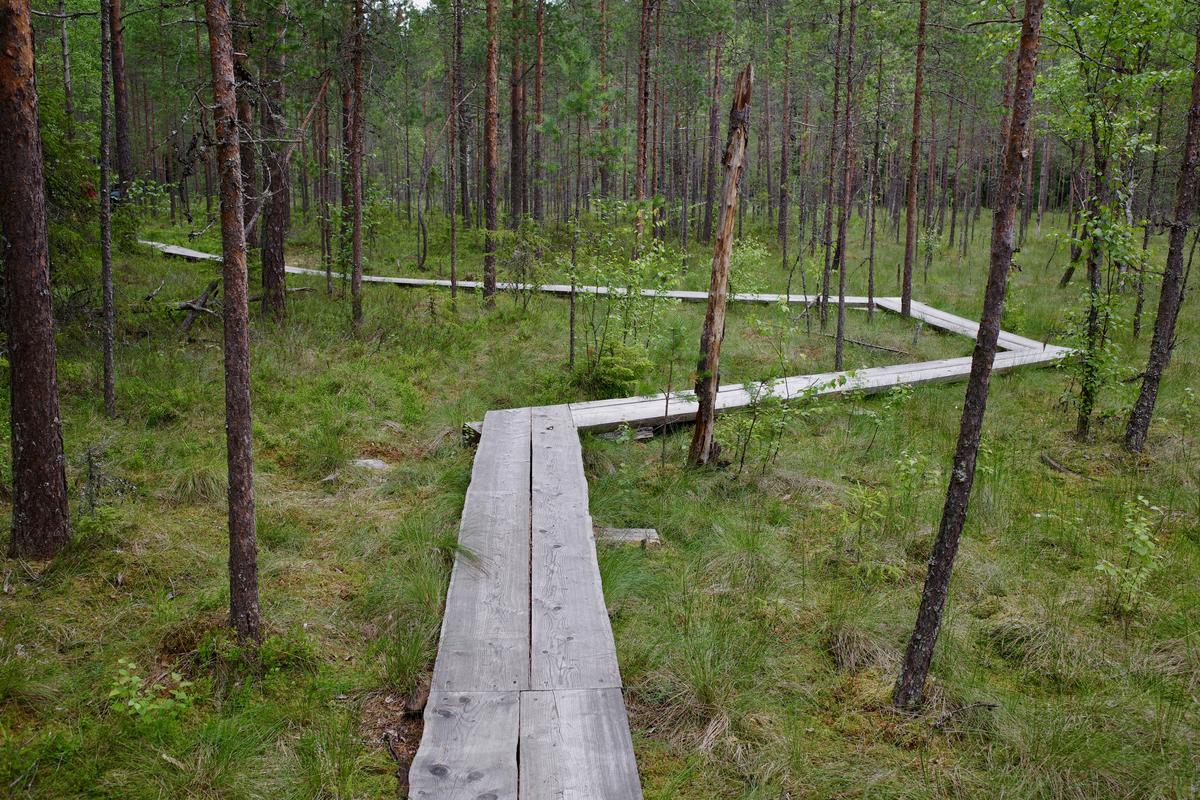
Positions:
{"x": 757, "y": 644}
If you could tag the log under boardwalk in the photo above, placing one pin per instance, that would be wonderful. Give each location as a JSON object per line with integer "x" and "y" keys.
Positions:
{"x": 526, "y": 698}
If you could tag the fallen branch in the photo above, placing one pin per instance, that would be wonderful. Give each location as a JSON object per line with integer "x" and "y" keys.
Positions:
{"x": 1063, "y": 468}
{"x": 871, "y": 345}
{"x": 198, "y": 305}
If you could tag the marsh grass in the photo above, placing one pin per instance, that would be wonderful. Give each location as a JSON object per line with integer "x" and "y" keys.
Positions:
{"x": 758, "y": 644}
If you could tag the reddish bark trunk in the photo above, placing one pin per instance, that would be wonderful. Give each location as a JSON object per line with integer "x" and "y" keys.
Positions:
{"x": 491, "y": 121}
{"x": 244, "y": 612}
{"x": 356, "y": 176}
{"x": 41, "y": 526}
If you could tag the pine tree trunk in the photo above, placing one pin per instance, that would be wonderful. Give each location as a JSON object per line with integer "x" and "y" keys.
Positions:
{"x": 41, "y": 525}
{"x": 68, "y": 88}
{"x": 910, "y": 231}
{"x": 1171, "y": 295}
{"x": 847, "y": 175}
{"x": 244, "y": 612}
{"x": 714, "y": 131}
{"x": 831, "y": 172}
{"x": 356, "y": 176}
{"x": 708, "y": 373}
{"x": 785, "y": 143}
{"x": 274, "y": 278}
{"x": 516, "y": 133}
{"x": 106, "y": 281}
{"x": 910, "y": 685}
{"x": 605, "y": 111}
{"x": 643, "y": 103}
{"x": 491, "y": 121}
{"x": 245, "y": 115}
{"x": 539, "y": 69}
{"x": 121, "y": 102}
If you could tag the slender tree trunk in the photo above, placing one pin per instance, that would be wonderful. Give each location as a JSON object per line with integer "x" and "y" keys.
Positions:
{"x": 539, "y": 69}
{"x": 68, "y": 89}
{"x": 910, "y": 231}
{"x": 911, "y": 683}
{"x": 243, "y": 548}
{"x": 785, "y": 142}
{"x": 708, "y": 373}
{"x": 356, "y": 176}
{"x": 245, "y": 115}
{"x": 605, "y": 111}
{"x": 643, "y": 110}
{"x": 827, "y": 227}
{"x": 714, "y": 131}
{"x": 1044, "y": 180}
{"x": 516, "y": 131}
{"x": 847, "y": 175}
{"x": 1171, "y": 295}
{"x": 41, "y": 525}
{"x": 875, "y": 177}
{"x": 274, "y": 278}
{"x": 121, "y": 102}
{"x": 491, "y": 121}
{"x": 1151, "y": 197}
{"x": 106, "y": 281}
{"x": 462, "y": 119}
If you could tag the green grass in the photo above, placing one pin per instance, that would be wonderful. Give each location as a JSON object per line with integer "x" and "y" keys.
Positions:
{"x": 758, "y": 644}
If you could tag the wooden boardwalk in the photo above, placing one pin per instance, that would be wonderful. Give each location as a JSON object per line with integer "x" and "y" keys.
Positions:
{"x": 526, "y": 695}
{"x": 526, "y": 699}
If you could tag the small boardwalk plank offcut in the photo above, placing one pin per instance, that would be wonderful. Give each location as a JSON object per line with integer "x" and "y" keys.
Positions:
{"x": 572, "y": 641}
{"x": 575, "y": 745}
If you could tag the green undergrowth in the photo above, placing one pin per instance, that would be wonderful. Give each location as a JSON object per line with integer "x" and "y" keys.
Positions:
{"x": 758, "y": 644}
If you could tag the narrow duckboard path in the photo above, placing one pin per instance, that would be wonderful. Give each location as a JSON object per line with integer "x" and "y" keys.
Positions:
{"x": 526, "y": 700}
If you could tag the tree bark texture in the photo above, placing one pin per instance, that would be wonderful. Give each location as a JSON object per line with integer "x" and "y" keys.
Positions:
{"x": 274, "y": 128}
{"x": 356, "y": 176}
{"x": 911, "y": 683}
{"x": 121, "y": 100}
{"x": 1171, "y": 294}
{"x": 914, "y": 156}
{"x": 708, "y": 375}
{"x": 244, "y": 612}
{"x": 491, "y": 121}
{"x": 41, "y": 526}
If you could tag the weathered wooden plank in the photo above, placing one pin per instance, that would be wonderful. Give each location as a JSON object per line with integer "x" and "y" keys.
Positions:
{"x": 644, "y": 537}
{"x": 468, "y": 748}
{"x": 653, "y": 410}
{"x": 575, "y": 745}
{"x": 571, "y": 637}
{"x": 485, "y": 629}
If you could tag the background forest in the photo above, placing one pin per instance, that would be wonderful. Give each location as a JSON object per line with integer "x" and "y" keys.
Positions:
{"x": 579, "y": 142}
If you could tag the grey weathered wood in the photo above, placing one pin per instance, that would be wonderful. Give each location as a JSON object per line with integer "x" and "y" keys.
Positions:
{"x": 485, "y": 630}
{"x": 605, "y": 415}
{"x": 571, "y": 637}
{"x": 549, "y": 288}
{"x": 468, "y": 747}
{"x": 645, "y": 537}
{"x": 575, "y": 745}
